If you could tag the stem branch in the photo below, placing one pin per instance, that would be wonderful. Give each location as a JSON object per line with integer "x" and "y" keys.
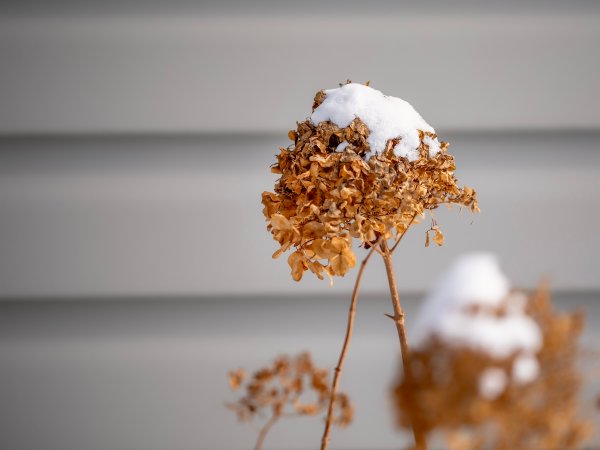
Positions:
{"x": 349, "y": 328}
{"x": 399, "y": 238}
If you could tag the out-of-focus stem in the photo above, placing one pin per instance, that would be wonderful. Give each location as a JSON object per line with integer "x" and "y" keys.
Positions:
{"x": 263, "y": 432}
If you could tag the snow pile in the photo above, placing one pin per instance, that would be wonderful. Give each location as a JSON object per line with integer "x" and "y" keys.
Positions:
{"x": 492, "y": 382}
{"x": 462, "y": 312}
{"x": 342, "y": 146}
{"x": 386, "y": 117}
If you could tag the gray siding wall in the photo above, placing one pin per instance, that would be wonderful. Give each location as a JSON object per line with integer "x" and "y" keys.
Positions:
{"x": 136, "y": 138}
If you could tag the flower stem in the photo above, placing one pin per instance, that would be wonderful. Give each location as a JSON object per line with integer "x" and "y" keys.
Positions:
{"x": 349, "y": 327}
{"x": 263, "y": 432}
{"x": 398, "y": 319}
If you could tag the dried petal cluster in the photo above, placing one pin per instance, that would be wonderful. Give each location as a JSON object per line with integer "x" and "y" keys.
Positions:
{"x": 330, "y": 193}
{"x": 444, "y": 394}
{"x": 282, "y": 388}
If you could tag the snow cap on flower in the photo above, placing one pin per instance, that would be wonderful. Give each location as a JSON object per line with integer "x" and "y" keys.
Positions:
{"x": 386, "y": 117}
{"x": 462, "y": 310}
{"x": 472, "y": 307}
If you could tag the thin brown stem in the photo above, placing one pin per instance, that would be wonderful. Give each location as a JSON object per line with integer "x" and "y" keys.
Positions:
{"x": 399, "y": 238}
{"x": 349, "y": 328}
{"x": 398, "y": 319}
{"x": 263, "y": 432}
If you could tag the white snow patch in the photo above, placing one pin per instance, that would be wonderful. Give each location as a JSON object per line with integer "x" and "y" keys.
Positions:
{"x": 342, "y": 146}
{"x": 525, "y": 369}
{"x": 461, "y": 313}
{"x": 492, "y": 383}
{"x": 434, "y": 145}
{"x": 386, "y": 117}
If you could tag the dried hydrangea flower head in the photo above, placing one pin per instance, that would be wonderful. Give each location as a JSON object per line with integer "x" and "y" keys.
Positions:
{"x": 492, "y": 368}
{"x": 289, "y": 387}
{"x": 363, "y": 165}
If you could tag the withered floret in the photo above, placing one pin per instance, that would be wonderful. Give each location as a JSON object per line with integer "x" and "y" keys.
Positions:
{"x": 290, "y": 386}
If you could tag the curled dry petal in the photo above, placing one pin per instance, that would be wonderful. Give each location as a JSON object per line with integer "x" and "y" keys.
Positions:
{"x": 236, "y": 378}
{"x": 438, "y": 237}
{"x": 298, "y": 263}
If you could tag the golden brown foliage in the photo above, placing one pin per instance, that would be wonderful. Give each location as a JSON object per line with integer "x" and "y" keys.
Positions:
{"x": 443, "y": 395}
{"x": 325, "y": 198}
{"x": 282, "y": 390}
